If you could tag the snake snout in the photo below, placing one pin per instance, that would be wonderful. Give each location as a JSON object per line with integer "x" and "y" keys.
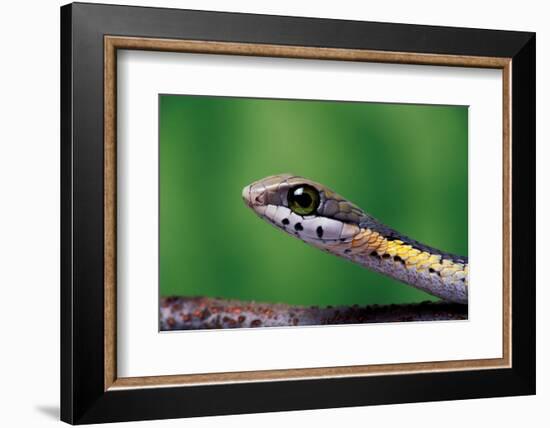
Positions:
{"x": 253, "y": 196}
{"x": 245, "y": 194}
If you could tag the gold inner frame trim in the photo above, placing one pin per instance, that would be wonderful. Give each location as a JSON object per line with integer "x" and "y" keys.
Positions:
{"x": 113, "y": 43}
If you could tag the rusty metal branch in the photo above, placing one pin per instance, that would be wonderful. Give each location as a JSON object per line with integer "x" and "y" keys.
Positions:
{"x": 191, "y": 313}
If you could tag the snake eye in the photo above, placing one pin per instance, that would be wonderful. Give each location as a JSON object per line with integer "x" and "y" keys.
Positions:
{"x": 303, "y": 199}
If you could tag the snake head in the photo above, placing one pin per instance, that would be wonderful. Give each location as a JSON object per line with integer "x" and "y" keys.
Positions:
{"x": 303, "y": 208}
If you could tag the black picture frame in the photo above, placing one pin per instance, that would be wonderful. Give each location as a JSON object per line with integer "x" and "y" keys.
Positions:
{"x": 83, "y": 396}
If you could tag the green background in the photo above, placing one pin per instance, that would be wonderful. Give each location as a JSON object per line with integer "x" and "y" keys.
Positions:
{"x": 406, "y": 165}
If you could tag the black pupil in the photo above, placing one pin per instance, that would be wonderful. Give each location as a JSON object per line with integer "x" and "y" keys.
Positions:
{"x": 303, "y": 199}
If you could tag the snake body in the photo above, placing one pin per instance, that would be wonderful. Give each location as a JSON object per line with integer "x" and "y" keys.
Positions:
{"x": 336, "y": 225}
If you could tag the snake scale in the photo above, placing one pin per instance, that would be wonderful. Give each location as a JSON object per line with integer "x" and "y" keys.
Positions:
{"x": 322, "y": 218}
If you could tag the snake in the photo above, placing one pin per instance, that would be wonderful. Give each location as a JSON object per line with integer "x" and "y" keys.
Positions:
{"x": 313, "y": 213}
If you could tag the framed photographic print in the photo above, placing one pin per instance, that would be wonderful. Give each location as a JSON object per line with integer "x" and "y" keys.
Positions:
{"x": 265, "y": 213}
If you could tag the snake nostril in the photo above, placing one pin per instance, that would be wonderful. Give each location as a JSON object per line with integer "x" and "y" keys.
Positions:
{"x": 260, "y": 199}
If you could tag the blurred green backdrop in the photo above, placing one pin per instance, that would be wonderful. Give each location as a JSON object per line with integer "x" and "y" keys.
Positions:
{"x": 407, "y": 165}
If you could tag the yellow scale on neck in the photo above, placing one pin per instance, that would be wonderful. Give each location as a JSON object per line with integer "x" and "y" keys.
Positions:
{"x": 368, "y": 242}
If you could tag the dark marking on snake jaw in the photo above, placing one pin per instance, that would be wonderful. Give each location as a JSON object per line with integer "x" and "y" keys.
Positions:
{"x": 386, "y": 256}
{"x": 298, "y": 226}
{"x": 347, "y": 251}
{"x": 398, "y": 259}
{"x": 319, "y": 231}
{"x": 285, "y": 221}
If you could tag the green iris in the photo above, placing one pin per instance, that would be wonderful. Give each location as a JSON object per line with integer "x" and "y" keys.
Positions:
{"x": 303, "y": 199}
